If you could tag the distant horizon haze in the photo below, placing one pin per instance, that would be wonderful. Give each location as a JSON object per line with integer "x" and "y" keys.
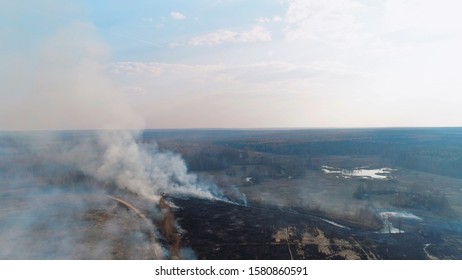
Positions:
{"x": 230, "y": 64}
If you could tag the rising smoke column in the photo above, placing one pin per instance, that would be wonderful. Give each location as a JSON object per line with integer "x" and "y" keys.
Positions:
{"x": 65, "y": 84}
{"x": 61, "y": 83}
{"x": 115, "y": 156}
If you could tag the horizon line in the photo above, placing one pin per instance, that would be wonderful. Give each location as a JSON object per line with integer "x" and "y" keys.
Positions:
{"x": 233, "y": 128}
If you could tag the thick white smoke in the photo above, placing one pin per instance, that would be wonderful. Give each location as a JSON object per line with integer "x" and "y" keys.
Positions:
{"x": 65, "y": 85}
{"x": 115, "y": 156}
{"x": 59, "y": 84}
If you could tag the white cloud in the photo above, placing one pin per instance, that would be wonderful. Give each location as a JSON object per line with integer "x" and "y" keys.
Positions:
{"x": 232, "y": 95}
{"x": 266, "y": 19}
{"x": 214, "y": 38}
{"x": 267, "y": 72}
{"x": 380, "y": 27}
{"x": 342, "y": 59}
{"x": 328, "y": 21}
{"x": 292, "y": 94}
{"x": 263, "y": 72}
{"x": 277, "y": 19}
{"x": 256, "y": 34}
{"x": 174, "y": 45}
{"x": 134, "y": 90}
{"x": 177, "y": 15}
{"x": 424, "y": 16}
{"x": 300, "y": 10}
{"x": 263, "y": 20}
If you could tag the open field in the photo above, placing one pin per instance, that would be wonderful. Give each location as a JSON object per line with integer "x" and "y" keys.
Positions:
{"x": 252, "y": 194}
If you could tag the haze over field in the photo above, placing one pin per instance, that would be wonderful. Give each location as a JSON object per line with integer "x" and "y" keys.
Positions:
{"x": 153, "y": 64}
{"x": 118, "y": 188}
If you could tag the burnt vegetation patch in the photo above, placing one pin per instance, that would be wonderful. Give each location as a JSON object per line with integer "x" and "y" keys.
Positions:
{"x": 238, "y": 232}
{"x": 281, "y": 174}
{"x": 266, "y": 194}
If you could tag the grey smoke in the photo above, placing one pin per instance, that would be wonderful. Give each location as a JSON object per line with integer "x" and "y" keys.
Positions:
{"x": 63, "y": 84}
{"x": 117, "y": 156}
{"x": 45, "y": 208}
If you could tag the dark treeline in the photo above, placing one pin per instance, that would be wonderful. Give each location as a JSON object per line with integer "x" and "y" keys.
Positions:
{"x": 434, "y": 150}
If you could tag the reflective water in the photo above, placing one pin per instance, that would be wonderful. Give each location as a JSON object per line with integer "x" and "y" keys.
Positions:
{"x": 381, "y": 173}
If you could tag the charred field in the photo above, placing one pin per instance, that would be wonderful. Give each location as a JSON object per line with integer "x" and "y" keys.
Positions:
{"x": 232, "y": 194}
{"x": 244, "y": 232}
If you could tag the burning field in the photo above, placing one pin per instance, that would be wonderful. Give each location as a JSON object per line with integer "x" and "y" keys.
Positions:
{"x": 81, "y": 178}
{"x": 116, "y": 195}
{"x": 93, "y": 195}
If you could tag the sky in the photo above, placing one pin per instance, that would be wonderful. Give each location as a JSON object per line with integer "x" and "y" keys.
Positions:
{"x": 230, "y": 64}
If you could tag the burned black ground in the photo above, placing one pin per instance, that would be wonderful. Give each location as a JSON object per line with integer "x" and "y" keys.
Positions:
{"x": 220, "y": 230}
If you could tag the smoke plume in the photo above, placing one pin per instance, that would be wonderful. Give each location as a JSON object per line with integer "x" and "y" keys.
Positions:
{"x": 117, "y": 156}
{"x": 53, "y": 184}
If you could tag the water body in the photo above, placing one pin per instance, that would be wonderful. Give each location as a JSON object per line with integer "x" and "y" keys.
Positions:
{"x": 367, "y": 173}
{"x": 334, "y": 223}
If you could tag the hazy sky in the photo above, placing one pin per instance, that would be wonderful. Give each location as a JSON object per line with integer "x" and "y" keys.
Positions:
{"x": 230, "y": 64}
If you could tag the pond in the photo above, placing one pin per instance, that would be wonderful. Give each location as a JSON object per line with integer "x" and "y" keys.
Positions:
{"x": 363, "y": 172}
